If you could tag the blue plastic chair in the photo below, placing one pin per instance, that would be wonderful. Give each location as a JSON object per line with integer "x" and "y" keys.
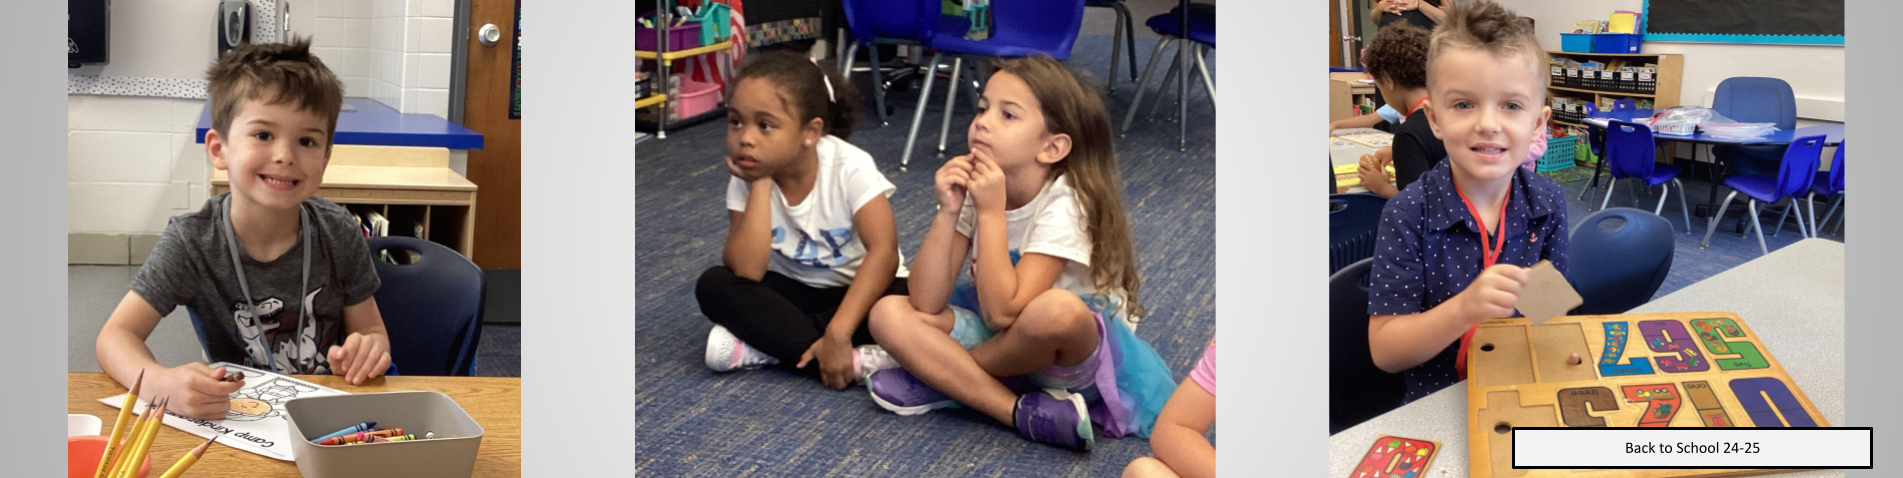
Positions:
{"x": 1754, "y": 100}
{"x": 1126, "y": 32}
{"x": 1353, "y": 221}
{"x": 1827, "y": 184}
{"x": 892, "y": 22}
{"x": 1597, "y": 142}
{"x": 1020, "y": 28}
{"x": 1794, "y": 177}
{"x": 432, "y": 307}
{"x": 1358, "y": 390}
{"x": 1631, "y": 152}
{"x": 1617, "y": 267}
{"x": 1202, "y": 34}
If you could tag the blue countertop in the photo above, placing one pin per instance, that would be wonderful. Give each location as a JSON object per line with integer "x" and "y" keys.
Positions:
{"x": 374, "y": 124}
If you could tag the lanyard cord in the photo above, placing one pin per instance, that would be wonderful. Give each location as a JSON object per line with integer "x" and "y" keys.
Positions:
{"x": 231, "y": 243}
{"x": 1489, "y": 253}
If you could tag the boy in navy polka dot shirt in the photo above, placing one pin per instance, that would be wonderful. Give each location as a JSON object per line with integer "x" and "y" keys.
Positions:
{"x": 1436, "y": 274}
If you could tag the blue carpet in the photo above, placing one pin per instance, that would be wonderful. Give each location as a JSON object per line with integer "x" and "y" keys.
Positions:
{"x": 692, "y": 422}
{"x": 500, "y": 353}
{"x": 1689, "y": 263}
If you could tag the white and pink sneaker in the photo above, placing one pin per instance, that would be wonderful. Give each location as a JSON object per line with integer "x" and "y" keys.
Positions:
{"x": 726, "y": 352}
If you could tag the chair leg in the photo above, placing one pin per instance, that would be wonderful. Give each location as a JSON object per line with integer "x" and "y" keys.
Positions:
{"x": 1751, "y": 206}
{"x": 1141, "y": 84}
{"x": 1129, "y": 39}
{"x": 1593, "y": 187}
{"x": 1658, "y": 210}
{"x": 1712, "y": 225}
{"x": 1812, "y": 199}
{"x": 1682, "y": 208}
{"x": 1841, "y": 220}
{"x": 918, "y": 112}
{"x": 845, "y": 62}
{"x": 1786, "y": 214}
{"x": 951, "y": 97}
{"x": 878, "y": 83}
{"x": 1169, "y": 78}
{"x": 971, "y": 85}
{"x": 1833, "y": 212}
{"x": 1610, "y": 182}
{"x": 1801, "y": 223}
{"x": 1209, "y": 83}
{"x": 1116, "y": 51}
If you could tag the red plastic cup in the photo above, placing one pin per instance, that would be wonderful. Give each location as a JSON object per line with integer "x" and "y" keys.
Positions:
{"x": 82, "y": 457}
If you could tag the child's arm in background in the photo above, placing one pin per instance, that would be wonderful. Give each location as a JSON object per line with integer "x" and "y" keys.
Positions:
{"x": 873, "y": 224}
{"x": 195, "y": 389}
{"x": 750, "y": 232}
{"x": 1359, "y": 121}
{"x": 942, "y": 255}
{"x": 1374, "y": 12}
{"x": 1003, "y": 290}
{"x": 365, "y": 353}
{"x": 1437, "y": 14}
{"x": 1401, "y": 342}
{"x": 1178, "y": 439}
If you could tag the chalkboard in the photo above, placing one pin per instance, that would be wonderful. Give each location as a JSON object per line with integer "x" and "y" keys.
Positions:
{"x": 1792, "y": 22}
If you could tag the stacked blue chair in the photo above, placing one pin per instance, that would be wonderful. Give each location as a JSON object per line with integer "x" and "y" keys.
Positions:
{"x": 1793, "y": 177}
{"x": 1631, "y": 152}
{"x": 906, "y": 22}
{"x": 1020, "y": 28}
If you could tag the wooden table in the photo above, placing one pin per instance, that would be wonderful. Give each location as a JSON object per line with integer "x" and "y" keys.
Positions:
{"x": 415, "y": 177}
{"x": 495, "y": 403}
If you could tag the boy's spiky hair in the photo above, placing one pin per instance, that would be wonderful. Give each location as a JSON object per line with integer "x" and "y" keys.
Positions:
{"x": 1486, "y": 26}
{"x": 274, "y": 73}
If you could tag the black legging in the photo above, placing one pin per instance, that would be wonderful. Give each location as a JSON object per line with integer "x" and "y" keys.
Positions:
{"x": 778, "y": 315}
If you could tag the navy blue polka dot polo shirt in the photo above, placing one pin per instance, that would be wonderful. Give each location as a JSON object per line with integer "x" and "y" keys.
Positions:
{"x": 1428, "y": 250}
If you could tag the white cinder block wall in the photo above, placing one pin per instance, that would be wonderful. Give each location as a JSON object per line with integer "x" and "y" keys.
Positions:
{"x": 132, "y": 162}
{"x": 410, "y": 54}
{"x": 1816, "y": 73}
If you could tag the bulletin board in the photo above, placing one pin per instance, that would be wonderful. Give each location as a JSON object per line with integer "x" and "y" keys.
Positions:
{"x": 1784, "y": 22}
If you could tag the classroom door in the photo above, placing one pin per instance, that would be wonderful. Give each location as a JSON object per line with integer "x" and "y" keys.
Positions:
{"x": 492, "y": 106}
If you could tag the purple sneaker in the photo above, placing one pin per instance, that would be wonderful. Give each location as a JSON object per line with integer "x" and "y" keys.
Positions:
{"x": 1055, "y": 417}
{"x": 897, "y": 390}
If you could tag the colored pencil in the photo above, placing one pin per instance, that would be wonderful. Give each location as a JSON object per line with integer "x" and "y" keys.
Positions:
{"x": 119, "y": 426}
{"x": 186, "y": 461}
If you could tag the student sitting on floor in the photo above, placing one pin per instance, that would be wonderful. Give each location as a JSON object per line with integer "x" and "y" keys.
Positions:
{"x": 1452, "y": 246}
{"x": 1035, "y": 209}
{"x": 810, "y": 238}
{"x": 1178, "y": 441}
{"x": 276, "y": 279}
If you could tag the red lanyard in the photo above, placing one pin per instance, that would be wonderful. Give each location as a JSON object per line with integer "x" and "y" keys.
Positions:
{"x": 1410, "y": 112}
{"x": 1489, "y": 253}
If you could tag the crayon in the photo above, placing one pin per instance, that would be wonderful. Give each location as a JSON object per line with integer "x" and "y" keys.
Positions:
{"x": 402, "y": 438}
{"x": 360, "y": 427}
{"x": 119, "y": 426}
{"x": 370, "y": 440}
{"x": 359, "y": 436}
{"x": 234, "y": 377}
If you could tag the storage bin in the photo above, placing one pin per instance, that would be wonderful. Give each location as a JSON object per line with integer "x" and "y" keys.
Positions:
{"x": 1576, "y": 42}
{"x": 1559, "y": 154}
{"x": 694, "y": 99}
{"x": 1615, "y": 43}
{"x": 683, "y": 37}
{"x": 451, "y": 453}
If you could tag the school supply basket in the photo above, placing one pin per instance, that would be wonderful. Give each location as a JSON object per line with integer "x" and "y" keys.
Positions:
{"x": 451, "y": 453}
{"x": 685, "y": 36}
{"x": 1559, "y": 154}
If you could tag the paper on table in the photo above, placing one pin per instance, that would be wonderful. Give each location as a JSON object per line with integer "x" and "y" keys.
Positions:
{"x": 1546, "y": 294}
{"x": 256, "y": 422}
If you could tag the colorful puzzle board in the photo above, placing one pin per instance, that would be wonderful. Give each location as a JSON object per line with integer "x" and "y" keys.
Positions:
{"x": 1372, "y": 140}
{"x": 1711, "y": 362}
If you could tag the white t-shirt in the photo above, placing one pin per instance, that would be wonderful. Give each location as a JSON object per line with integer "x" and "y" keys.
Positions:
{"x": 1051, "y": 224}
{"x": 814, "y": 242}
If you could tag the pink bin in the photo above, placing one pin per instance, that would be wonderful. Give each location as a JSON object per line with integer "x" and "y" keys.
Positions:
{"x": 697, "y": 98}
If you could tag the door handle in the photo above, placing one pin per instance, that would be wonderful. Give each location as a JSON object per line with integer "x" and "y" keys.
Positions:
{"x": 489, "y": 34}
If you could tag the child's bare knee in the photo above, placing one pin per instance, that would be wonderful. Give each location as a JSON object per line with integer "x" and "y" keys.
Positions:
{"x": 1146, "y": 467}
{"x": 1055, "y": 314}
{"x": 888, "y": 311}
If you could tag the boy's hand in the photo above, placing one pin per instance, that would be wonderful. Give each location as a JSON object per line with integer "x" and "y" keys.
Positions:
{"x": 987, "y": 184}
{"x": 362, "y": 357}
{"x": 1375, "y": 177}
{"x": 835, "y": 360}
{"x": 1492, "y": 294}
{"x": 951, "y": 182}
{"x": 196, "y": 390}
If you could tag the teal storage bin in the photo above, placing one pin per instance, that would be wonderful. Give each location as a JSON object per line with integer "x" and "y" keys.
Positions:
{"x": 1575, "y": 42}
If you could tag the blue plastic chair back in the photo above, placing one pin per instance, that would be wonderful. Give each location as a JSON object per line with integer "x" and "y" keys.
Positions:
{"x": 1629, "y": 150}
{"x": 1800, "y": 165}
{"x": 1749, "y": 99}
{"x": 1837, "y": 171}
{"x": 1021, "y": 28}
{"x": 868, "y": 19}
{"x": 1353, "y": 222}
{"x": 432, "y": 308}
{"x": 1358, "y": 389}
{"x": 1616, "y": 267}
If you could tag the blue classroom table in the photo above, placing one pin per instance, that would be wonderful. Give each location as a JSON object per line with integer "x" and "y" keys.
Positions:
{"x": 373, "y": 124}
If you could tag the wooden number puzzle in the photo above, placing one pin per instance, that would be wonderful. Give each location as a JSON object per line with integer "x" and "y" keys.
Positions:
{"x": 1396, "y": 457}
{"x": 1696, "y": 369}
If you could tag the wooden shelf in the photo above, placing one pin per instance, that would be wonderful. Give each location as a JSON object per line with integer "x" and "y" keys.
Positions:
{"x": 1601, "y": 92}
{"x": 676, "y": 55}
{"x": 1625, "y": 55}
{"x": 1569, "y": 123}
{"x": 650, "y": 100}
{"x": 417, "y": 181}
